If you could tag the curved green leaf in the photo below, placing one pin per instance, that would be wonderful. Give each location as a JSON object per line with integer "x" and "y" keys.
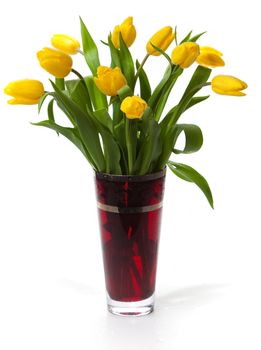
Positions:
{"x": 69, "y": 133}
{"x": 189, "y": 174}
{"x": 196, "y": 100}
{"x": 194, "y": 138}
{"x": 41, "y": 101}
{"x": 162, "y": 53}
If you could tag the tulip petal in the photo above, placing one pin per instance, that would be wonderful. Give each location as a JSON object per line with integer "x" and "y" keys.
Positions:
{"x": 210, "y": 60}
{"x": 22, "y": 101}
{"x": 208, "y": 49}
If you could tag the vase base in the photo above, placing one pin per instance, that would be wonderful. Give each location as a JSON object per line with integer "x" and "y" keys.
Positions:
{"x": 131, "y": 308}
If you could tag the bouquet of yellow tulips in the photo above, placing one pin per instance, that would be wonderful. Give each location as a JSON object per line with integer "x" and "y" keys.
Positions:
{"x": 122, "y": 128}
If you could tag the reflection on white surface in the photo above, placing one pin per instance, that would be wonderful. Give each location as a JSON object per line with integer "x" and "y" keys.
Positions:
{"x": 156, "y": 330}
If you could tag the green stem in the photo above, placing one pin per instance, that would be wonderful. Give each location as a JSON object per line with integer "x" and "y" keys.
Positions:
{"x": 60, "y": 83}
{"x": 131, "y": 142}
{"x": 140, "y": 67}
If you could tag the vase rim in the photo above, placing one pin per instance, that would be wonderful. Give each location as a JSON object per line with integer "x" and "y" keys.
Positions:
{"x": 131, "y": 178}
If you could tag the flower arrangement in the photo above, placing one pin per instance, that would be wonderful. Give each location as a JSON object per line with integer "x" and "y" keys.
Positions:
{"x": 121, "y": 127}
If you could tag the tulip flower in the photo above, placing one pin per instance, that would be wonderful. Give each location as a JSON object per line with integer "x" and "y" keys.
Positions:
{"x": 162, "y": 39}
{"x": 210, "y": 57}
{"x": 55, "y": 62}
{"x": 185, "y": 54}
{"x": 65, "y": 43}
{"x": 24, "y": 92}
{"x": 128, "y": 32}
{"x": 109, "y": 80}
{"x": 228, "y": 85}
{"x": 134, "y": 107}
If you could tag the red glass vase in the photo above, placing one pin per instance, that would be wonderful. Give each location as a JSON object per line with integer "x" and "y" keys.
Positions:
{"x": 129, "y": 209}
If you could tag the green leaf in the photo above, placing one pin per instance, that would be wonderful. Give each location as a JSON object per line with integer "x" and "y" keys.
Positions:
{"x": 50, "y": 111}
{"x": 90, "y": 50}
{"x": 162, "y": 53}
{"x": 119, "y": 133}
{"x": 189, "y": 174}
{"x": 173, "y": 112}
{"x": 199, "y": 77}
{"x": 127, "y": 64}
{"x": 41, "y": 101}
{"x": 131, "y": 129}
{"x": 115, "y": 54}
{"x": 168, "y": 137}
{"x": 104, "y": 118}
{"x": 117, "y": 113}
{"x": 196, "y": 100}
{"x": 197, "y": 81}
{"x": 99, "y": 100}
{"x": 196, "y": 37}
{"x": 79, "y": 93}
{"x": 87, "y": 130}
{"x": 186, "y": 38}
{"x": 194, "y": 138}
{"x": 145, "y": 89}
{"x": 69, "y": 133}
{"x": 156, "y": 93}
{"x": 151, "y": 147}
{"x": 112, "y": 153}
{"x": 165, "y": 93}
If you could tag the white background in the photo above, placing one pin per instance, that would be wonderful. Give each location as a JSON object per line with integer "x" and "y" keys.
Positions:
{"x": 52, "y": 293}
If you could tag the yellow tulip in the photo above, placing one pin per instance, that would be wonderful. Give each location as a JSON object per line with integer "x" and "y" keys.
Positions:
{"x": 55, "y": 62}
{"x": 228, "y": 85}
{"x": 133, "y": 107}
{"x": 185, "y": 54}
{"x": 210, "y": 57}
{"x": 24, "y": 92}
{"x": 128, "y": 32}
{"x": 162, "y": 39}
{"x": 109, "y": 80}
{"x": 65, "y": 43}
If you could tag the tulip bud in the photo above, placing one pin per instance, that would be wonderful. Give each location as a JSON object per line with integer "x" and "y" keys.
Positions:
{"x": 228, "y": 85}
{"x": 65, "y": 43}
{"x": 210, "y": 58}
{"x": 128, "y": 32}
{"x": 134, "y": 107}
{"x": 162, "y": 39}
{"x": 24, "y": 92}
{"x": 184, "y": 55}
{"x": 109, "y": 80}
{"x": 55, "y": 62}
